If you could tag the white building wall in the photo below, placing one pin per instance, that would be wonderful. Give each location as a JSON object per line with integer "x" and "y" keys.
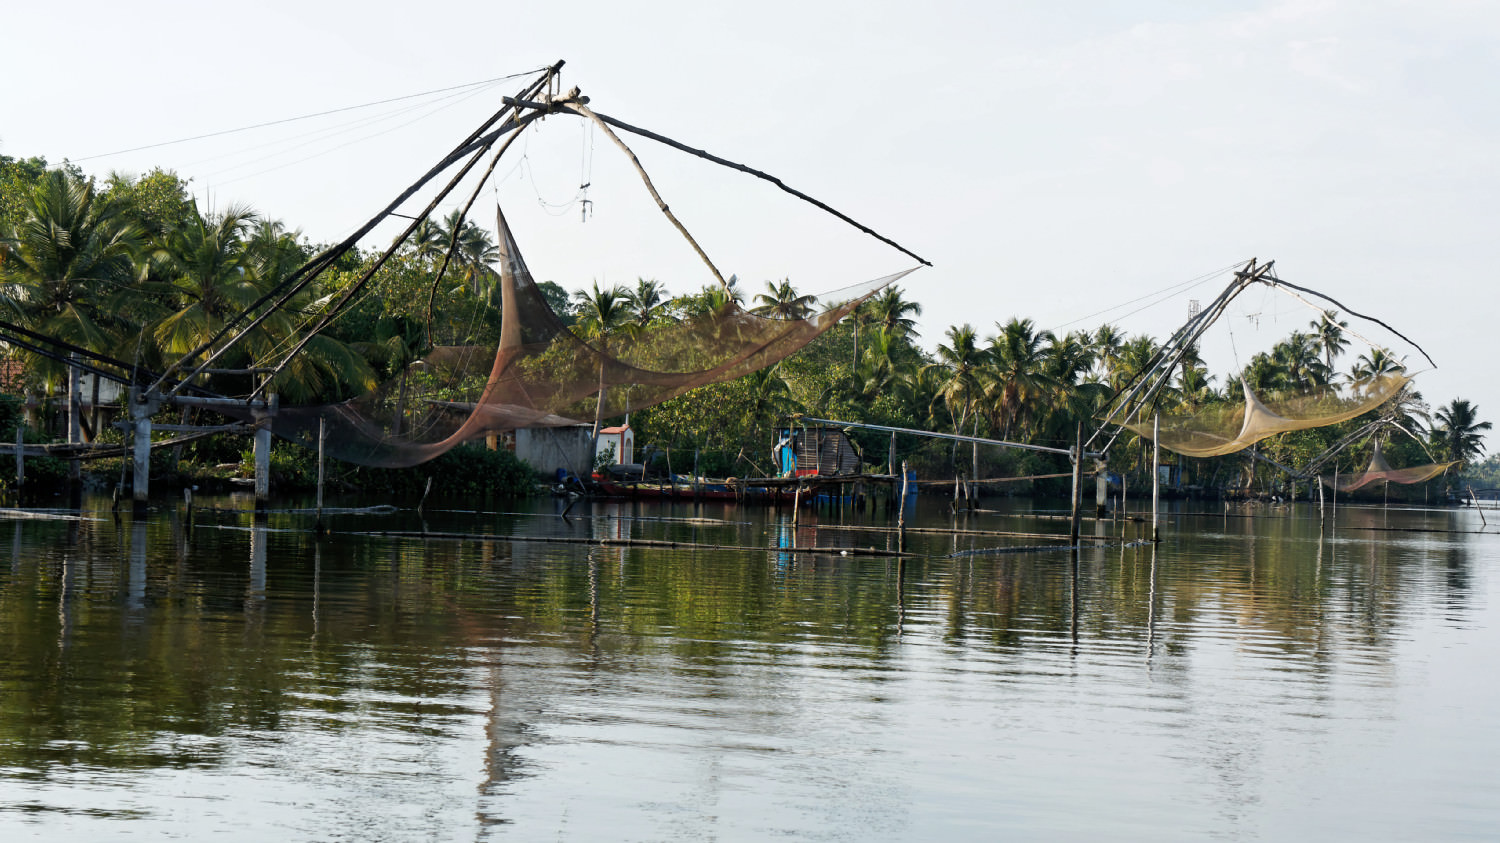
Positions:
{"x": 547, "y": 449}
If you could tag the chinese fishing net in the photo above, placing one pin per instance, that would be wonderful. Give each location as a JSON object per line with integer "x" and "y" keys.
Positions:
{"x": 1380, "y": 471}
{"x": 542, "y": 374}
{"x": 1227, "y": 428}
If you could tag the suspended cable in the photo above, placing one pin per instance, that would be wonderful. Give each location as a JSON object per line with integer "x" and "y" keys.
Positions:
{"x": 1173, "y": 289}
{"x": 268, "y": 123}
{"x": 289, "y": 145}
{"x": 334, "y": 148}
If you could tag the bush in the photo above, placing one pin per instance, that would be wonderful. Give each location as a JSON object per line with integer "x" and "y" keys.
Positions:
{"x": 40, "y": 471}
{"x": 467, "y": 470}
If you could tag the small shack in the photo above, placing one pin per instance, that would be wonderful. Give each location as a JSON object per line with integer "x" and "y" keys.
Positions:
{"x": 618, "y": 444}
{"x": 815, "y": 451}
{"x": 549, "y": 449}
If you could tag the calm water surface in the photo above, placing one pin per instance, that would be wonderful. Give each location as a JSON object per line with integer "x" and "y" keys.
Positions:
{"x": 1253, "y": 678}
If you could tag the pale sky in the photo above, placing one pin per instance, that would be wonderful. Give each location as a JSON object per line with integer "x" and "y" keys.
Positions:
{"x": 1056, "y": 161}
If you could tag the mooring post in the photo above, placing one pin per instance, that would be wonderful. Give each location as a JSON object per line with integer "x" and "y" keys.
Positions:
{"x": 322, "y": 441}
{"x": 1333, "y": 511}
{"x": 890, "y": 461}
{"x": 901, "y": 510}
{"x": 1077, "y": 498}
{"x": 262, "y": 415}
{"x": 1101, "y": 489}
{"x": 140, "y": 480}
{"x": 1155, "y": 478}
{"x": 75, "y": 420}
{"x": 1319, "y": 481}
{"x": 20, "y": 455}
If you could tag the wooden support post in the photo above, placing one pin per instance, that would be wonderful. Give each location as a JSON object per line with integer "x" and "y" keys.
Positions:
{"x": 1077, "y": 499}
{"x": 263, "y": 454}
{"x": 1333, "y": 511}
{"x": 20, "y": 455}
{"x": 1319, "y": 481}
{"x": 1482, "y": 520}
{"x": 322, "y": 441}
{"x": 901, "y": 510}
{"x": 141, "y": 464}
{"x": 1155, "y": 478}
{"x": 75, "y": 421}
{"x": 890, "y": 462}
{"x": 796, "y": 510}
{"x": 1101, "y": 489}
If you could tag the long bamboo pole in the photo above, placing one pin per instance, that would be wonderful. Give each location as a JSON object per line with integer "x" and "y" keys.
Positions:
{"x": 1156, "y": 478}
{"x": 901, "y": 509}
{"x": 300, "y": 278}
{"x": 1077, "y": 499}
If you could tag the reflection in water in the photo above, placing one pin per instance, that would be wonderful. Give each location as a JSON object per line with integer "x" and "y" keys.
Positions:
{"x": 168, "y": 676}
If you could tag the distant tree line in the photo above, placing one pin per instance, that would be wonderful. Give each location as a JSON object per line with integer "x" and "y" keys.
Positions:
{"x": 132, "y": 267}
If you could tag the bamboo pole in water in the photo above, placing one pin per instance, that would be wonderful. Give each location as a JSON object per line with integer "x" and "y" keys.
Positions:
{"x": 1077, "y": 500}
{"x": 1155, "y": 478}
{"x": 322, "y": 442}
{"x": 901, "y": 509}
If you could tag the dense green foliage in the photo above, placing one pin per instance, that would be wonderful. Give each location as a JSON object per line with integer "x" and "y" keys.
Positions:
{"x": 465, "y": 471}
{"x": 137, "y": 271}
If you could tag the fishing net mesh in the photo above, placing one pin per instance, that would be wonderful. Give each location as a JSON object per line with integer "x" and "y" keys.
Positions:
{"x": 544, "y": 374}
{"x": 1380, "y": 471}
{"x": 1226, "y": 428}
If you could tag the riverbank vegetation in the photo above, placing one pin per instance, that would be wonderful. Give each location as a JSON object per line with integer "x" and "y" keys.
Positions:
{"x": 132, "y": 268}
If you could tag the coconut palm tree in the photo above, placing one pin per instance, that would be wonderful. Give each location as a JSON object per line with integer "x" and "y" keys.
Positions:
{"x": 959, "y": 361}
{"x": 893, "y": 313}
{"x": 1459, "y": 434}
{"x": 601, "y": 313}
{"x": 214, "y": 272}
{"x": 68, "y": 269}
{"x": 1328, "y": 333}
{"x": 1265, "y": 373}
{"x": 207, "y": 263}
{"x": 68, "y": 266}
{"x": 782, "y": 301}
{"x": 647, "y": 301}
{"x": 1108, "y": 342}
{"x": 473, "y": 250}
{"x": 272, "y": 251}
{"x": 1378, "y": 362}
{"x": 1195, "y": 385}
{"x": 883, "y": 370}
{"x": 1298, "y": 355}
{"x": 1076, "y": 392}
{"x": 1132, "y": 359}
{"x": 711, "y": 299}
{"x": 1017, "y": 378}
{"x": 428, "y": 241}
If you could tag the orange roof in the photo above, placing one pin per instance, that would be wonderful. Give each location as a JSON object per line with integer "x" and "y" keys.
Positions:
{"x": 621, "y": 429}
{"x": 12, "y": 372}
